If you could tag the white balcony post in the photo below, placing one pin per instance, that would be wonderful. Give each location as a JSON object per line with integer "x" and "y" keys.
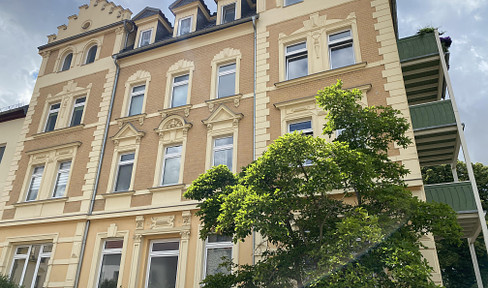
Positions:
{"x": 474, "y": 259}
{"x": 469, "y": 166}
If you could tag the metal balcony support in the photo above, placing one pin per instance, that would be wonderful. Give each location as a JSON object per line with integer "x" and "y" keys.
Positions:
{"x": 474, "y": 259}
{"x": 467, "y": 159}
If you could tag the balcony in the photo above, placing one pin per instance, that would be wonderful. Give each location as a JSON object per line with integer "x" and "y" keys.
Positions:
{"x": 436, "y": 135}
{"x": 422, "y": 71}
{"x": 459, "y": 196}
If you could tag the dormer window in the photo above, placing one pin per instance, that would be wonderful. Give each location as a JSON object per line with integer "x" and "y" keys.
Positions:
{"x": 145, "y": 38}
{"x": 184, "y": 27}
{"x": 228, "y": 13}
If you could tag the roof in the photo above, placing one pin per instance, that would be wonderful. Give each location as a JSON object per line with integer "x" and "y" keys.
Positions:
{"x": 14, "y": 113}
{"x": 149, "y": 11}
{"x": 181, "y": 3}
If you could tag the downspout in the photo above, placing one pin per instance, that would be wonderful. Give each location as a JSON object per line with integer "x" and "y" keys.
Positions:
{"x": 254, "y": 124}
{"x": 99, "y": 168}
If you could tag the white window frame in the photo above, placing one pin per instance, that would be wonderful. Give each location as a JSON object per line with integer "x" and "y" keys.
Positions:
{"x": 308, "y": 131}
{"x": 223, "y": 148}
{"x": 76, "y": 105}
{"x": 219, "y": 74}
{"x": 88, "y": 54}
{"x": 215, "y": 245}
{"x": 291, "y": 2}
{"x": 340, "y": 42}
{"x": 165, "y": 253}
{"x": 223, "y": 15}
{"x": 171, "y": 156}
{"x": 41, "y": 255}
{"x": 34, "y": 176}
{"x": 123, "y": 163}
{"x": 52, "y": 111}
{"x": 109, "y": 251}
{"x": 294, "y": 55}
{"x": 58, "y": 174}
{"x": 179, "y": 24}
{"x": 141, "y": 37}
{"x": 178, "y": 84}
{"x": 136, "y": 94}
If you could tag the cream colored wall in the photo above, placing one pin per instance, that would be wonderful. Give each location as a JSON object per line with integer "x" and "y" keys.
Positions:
{"x": 9, "y": 135}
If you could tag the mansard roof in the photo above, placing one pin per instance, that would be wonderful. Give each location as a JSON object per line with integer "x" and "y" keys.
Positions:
{"x": 181, "y": 3}
{"x": 149, "y": 11}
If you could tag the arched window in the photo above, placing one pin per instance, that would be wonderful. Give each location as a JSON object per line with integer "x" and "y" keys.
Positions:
{"x": 90, "y": 56}
{"x": 67, "y": 62}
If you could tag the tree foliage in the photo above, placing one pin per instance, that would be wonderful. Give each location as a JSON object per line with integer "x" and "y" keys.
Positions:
{"x": 346, "y": 220}
{"x": 5, "y": 282}
{"x": 455, "y": 260}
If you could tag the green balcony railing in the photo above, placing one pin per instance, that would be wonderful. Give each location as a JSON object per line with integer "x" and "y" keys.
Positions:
{"x": 458, "y": 195}
{"x": 417, "y": 46}
{"x": 432, "y": 115}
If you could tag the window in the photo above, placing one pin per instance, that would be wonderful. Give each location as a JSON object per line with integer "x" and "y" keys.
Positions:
{"x": 184, "y": 26}
{"x": 217, "y": 247}
{"x": 124, "y": 172}
{"x": 162, "y": 264}
{"x": 179, "y": 91}
{"x": 228, "y": 13}
{"x": 145, "y": 38}
{"x": 304, "y": 126}
{"x": 29, "y": 267}
{"x": 52, "y": 117}
{"x": 340, "y": 49}
{"x": 67, "y": 62}
{"x": 61, "y": 179}
{"x": 78, "y": 111}
{"x": 171, "y": 165}
{"x": 90, "y": 56}
{"x": 110, "y": 263}
{"x": 289, "y": 2}
{"x": 222, "y": 151}
{"x": 2, "y": 151}
{"x": 35, "y": 183}
{"x": 136, "y": 100}
{"x": 296, "y": 61}
{"x": 226, "y": 80}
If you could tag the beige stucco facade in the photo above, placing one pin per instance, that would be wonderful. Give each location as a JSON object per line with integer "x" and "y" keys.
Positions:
{"x": 147, "y": 210}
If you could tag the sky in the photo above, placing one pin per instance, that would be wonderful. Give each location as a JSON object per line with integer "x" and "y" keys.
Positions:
{"x": 24, "y": 25}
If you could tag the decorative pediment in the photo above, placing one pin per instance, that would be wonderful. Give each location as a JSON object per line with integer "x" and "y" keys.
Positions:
{"x": 138, "y": 75}
{"x": 181, "y": 65}
{"x": 227, "y": 53}
{"x": 222, "y": 114}
{"x": 316, "y": 22}
{"x": 128, "y": 131}
{"x": 71, "y": 88}
{"x": 172, "y": 126}
{"x": 98, "y": 13}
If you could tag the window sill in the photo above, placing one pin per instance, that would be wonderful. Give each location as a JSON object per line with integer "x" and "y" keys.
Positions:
{"x": 168, "y": 111}
{"x": 117, "y": 194}
{"x": 212, "y": 103}
{"x": 167, "y": 188}
{"x": 59, "y": 131}
{"x": 43, "y": 201}
{"x": 319, "y": 75}
{"x": 139, "y": 117}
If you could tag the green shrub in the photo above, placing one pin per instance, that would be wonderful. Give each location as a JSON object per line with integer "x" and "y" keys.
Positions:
{"x": 5, "y": 282}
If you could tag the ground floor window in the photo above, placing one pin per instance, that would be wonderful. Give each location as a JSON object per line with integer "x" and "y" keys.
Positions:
{"x": 162, "y": 264}
{"x": 110, "y": 263}
{"x": 29, "y": 267}
{"x": 218, "y": 249}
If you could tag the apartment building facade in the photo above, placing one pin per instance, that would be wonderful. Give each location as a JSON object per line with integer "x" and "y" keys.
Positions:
{"x": 129, "y": 110}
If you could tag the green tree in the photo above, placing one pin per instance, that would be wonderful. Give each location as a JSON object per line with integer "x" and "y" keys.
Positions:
{"x": 5, "y": 282}
{"x": 455, "y": 260}
{"x": 366, "y": 236}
